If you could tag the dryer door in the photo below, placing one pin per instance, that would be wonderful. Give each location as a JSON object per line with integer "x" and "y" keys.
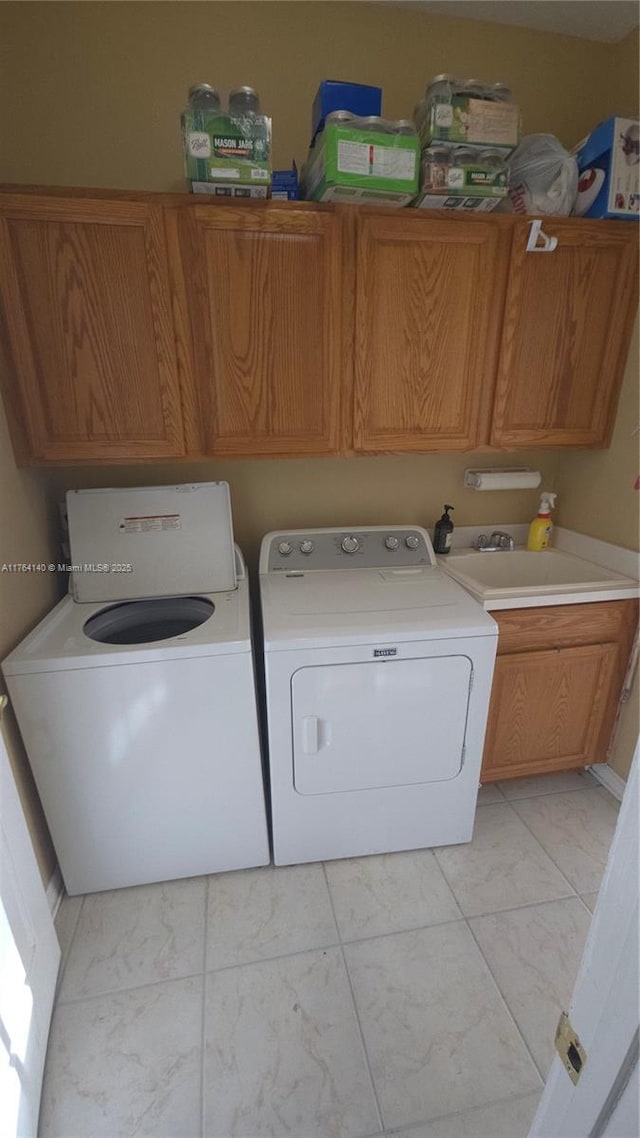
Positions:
{"x": 379, "y": 723}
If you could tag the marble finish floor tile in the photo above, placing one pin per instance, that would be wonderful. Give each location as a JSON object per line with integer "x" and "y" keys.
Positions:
{"x": 590, "y": 900}
{"x": 255, "y": 914}
{"x": 126, "y": 1064}
{"x": 502, "y": 867}
{"x": 510, "y": 1119}
{"x": 576, "y": 830}
{"x": 437, "y": 1033}
{"x": 490, "y": 793}
{"x": 534, "y": 955}
{"x": 283, "y": 1053}
{"x": 389, "y": 893}
{"x": 129, "y": 937}
{"x": 547, "y": 784}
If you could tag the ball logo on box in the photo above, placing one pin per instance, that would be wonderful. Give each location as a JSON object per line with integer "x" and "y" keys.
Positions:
{"x": 199, "y": 144}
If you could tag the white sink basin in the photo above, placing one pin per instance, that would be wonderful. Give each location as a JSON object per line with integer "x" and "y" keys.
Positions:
{"x": 520, "y": 573}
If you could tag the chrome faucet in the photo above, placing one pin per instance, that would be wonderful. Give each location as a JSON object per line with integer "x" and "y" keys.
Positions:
{"x": 499, "y": 540}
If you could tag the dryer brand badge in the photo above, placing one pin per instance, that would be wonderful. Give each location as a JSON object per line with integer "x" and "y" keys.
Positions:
{"x": 385, "y": 652}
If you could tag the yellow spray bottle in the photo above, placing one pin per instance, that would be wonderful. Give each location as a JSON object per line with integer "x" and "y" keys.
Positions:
{"x": 541, "y": 527}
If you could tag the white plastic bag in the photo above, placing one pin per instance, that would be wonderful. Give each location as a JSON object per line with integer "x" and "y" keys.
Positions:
{"x": 543, "y": 177}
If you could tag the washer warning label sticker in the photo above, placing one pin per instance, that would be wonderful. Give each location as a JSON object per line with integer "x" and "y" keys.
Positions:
{"x": 150, "y": 523}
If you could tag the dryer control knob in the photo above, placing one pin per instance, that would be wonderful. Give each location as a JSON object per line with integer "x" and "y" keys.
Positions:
{"x": 306, "y": 546}
{"x": 391, "y": 542}
{"x": 412, "y": 542}
{"x": 285, "y": 548}
{"x": 350, "y": 544}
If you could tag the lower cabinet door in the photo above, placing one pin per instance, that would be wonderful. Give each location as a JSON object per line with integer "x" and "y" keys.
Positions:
{"x": 379, "y": 723}
{"x": 548, "y": 709}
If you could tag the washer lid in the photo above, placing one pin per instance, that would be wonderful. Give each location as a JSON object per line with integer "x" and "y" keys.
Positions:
{"x": 151, "y": 541}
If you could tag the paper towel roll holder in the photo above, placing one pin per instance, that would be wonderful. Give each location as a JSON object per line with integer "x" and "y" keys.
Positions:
{"x": 472, "y": 477}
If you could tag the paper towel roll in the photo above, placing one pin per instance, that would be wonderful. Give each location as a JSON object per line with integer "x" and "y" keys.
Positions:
{"x": 503, "y": 479}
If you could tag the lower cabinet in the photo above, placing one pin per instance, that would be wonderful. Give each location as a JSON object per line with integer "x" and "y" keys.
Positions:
{"x": 556, "y": 686}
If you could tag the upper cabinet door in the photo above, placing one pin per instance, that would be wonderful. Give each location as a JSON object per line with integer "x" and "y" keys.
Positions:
{"x": 260, "y": 323}
{"x": 86, "y": 315}
{"x": 567, "y": 325}
{"x": 428, "y": 296}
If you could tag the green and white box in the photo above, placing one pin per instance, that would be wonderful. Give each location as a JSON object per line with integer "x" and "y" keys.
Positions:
{"x": 221, "y": 153}
{"x": 478, "y": 122}
{"x": 354, "y": 164}
{"x": 469, "y": 186}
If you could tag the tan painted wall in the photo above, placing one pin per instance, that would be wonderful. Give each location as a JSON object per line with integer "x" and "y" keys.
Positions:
{"x": 271, "y": 494}
{"x": 92, "y": 92}
{"x": 625, "y": 76}
{"x": 596, "y": 492}
{"x": 26, "y": 535}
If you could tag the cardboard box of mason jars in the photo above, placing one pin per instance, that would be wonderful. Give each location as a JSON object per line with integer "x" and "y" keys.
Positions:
{"x": 469, "y": 186}
{"x": 353, "y": 164}
{"x": 473, "y": 122}
{"x": 227, "y": 157}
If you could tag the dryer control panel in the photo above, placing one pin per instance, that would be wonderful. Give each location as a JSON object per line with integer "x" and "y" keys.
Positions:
{"x": 358, "y": 547}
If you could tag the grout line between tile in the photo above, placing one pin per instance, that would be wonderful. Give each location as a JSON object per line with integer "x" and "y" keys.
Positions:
{"x": 66, "y": 954}
{"x": 519, "y": 908}
{"x": 457, "y": 1113}
{"x": 68, "y": 1000}
{"x": 204, "y": 1004}
{"x": 195, "y": 975}
{"x": 545, "y": 793}
{"x": 355, "y": 1006}
{"x": 205, "y": 937}
{"x": 506, "y": 1004}
{"x": 581, "y": 898}
{"x": 551, "y": 858}
{"x": 202, "y": 1054}
{"x": 537, "y": 839}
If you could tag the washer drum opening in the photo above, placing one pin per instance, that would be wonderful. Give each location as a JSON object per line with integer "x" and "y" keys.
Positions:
{"x": 143, "y": 622}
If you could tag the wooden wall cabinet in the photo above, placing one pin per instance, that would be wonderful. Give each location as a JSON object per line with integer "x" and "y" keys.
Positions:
{"x": 566, "y": 327}
{"x": 86, "y": 317}
{"x": 259, "y": 316}
{"x": 152, "y": 326}
{"x": 557, "y": 681}
{"x": 425, "y": 330}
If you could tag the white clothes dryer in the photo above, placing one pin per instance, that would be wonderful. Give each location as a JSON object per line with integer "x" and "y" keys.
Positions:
{"x": 378, "y": 672}
{"x": 136, "y": 698}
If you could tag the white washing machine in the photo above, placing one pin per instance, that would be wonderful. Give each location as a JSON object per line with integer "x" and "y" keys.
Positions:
{"x": 135, "y": 696}
{"x": 378, "y": 673}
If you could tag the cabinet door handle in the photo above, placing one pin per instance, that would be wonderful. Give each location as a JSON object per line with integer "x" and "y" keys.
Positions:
{"x": 539, "y": 241}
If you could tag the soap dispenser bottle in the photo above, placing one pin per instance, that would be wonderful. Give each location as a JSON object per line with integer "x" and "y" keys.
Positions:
{"x": 541, "y": 527}
{"x": 443, "y": 532}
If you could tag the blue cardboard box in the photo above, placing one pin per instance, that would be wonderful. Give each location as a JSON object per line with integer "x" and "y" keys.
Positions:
{"x": 608, "y": 168}
{"x": 334, "y": 95}
{"x": 284, "y": 184}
